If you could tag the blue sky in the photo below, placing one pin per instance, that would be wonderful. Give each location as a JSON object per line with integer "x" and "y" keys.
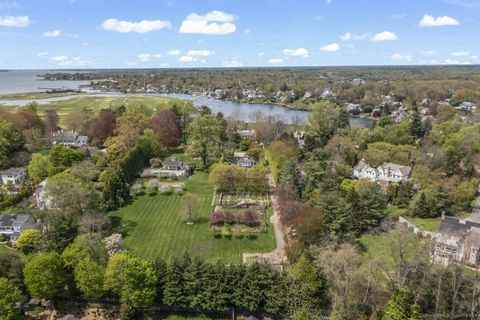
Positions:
{"x": 228, "y": 33}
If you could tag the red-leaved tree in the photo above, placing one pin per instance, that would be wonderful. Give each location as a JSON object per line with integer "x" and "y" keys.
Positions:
{"x": 102, "y": 127}
{"x": 168, "y": 128}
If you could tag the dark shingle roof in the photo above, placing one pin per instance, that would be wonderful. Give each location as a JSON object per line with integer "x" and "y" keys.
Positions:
{"x": 456, "y": 226}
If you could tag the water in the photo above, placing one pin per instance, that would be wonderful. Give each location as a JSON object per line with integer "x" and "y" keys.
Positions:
{"x": 27, "y": 81}
{"x": 20, "y": 81}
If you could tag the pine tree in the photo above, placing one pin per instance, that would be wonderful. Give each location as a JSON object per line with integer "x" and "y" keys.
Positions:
{"x": 421, "y": 207}
{"x": 399, "y": 307}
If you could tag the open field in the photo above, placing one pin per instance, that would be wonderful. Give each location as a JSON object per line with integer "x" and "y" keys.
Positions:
{"x": 37, "y": 95}
{"x": 154, "y": 226}
{"x": 2, "y": 247}
{"x": 65, "y": 107}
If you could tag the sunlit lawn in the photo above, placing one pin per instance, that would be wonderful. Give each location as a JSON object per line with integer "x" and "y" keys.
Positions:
{"x": 154, "y": 227}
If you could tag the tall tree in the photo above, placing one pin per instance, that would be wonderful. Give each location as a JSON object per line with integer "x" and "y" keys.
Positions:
{"x": 204, "y": 140}
{"x": 167, "y": 128}
{"x": 45, "y": 276}
{"x": 9, "y": 296}
{"x": 102, "y": 126}
{"x": 51, "y": 121}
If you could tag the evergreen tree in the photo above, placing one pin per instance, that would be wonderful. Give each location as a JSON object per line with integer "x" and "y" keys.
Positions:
{"x": 416, "y": 126}
{"x": 399, "y": 306}
{"x": 421, "y": 207}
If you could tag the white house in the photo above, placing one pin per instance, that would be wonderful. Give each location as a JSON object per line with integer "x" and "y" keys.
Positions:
{"x": 13, "y": 176}
{"x": 246, "y": 134}
{"x": 246, "y": 162}
{"x": 467, "y": 106}
{"x": 387, "y": 172}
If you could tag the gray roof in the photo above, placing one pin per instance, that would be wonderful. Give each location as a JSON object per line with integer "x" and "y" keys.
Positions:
{"x": 12, "y": 171}
{"x": 173, "y": 162}
{"x": 455, "y": 226}
{"x": 17, "y": 220}
{"x": 362, "y": 164}
{"x": 405, "y": 170}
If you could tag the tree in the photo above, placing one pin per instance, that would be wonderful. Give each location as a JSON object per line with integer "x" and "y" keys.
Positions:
{"x": 205, "y": 134}
{"x": 421, "y": 207}
{"x": 60, "y": 157}
{"x": 51, "y": 121}
{"x": 45, "y": 276}
{"x": 29, "y": 241}
{"x": 102, "y": 126}
{"x": 167, "y": 128}
{"x": 11, "y": 267}
{"x": 9, "y": 296}
{"x": 189, "y": 207}
{"x": 399, "y": 306}
{"x": 10, "y": 140}
{"x": 324, "y": 120}
{"x": 89, "y": 278}
{"x": 416, "y": 126}
{"x": 38, "y": 167}
{"x": 133, "y": 280}
{"x": 79, "y": 119}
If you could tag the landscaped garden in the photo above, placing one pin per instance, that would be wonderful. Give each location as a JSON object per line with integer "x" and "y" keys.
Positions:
{"x": 153, "y": 226}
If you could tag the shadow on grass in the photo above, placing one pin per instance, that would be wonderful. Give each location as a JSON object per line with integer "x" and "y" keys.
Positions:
{"x": 122, "y": 226}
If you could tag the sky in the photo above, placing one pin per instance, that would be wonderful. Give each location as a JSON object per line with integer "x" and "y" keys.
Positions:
{"x": 91, "y": 34}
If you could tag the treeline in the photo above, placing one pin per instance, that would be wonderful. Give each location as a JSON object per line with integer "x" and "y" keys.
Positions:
{"x": 117, "y": 178}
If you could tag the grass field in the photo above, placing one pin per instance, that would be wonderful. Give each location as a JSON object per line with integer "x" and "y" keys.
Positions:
{"x": 37, "y": 95}
{"x": 427, "y": 224}
{"x": 153, "y": 226}
{"x": 65, "y": 107}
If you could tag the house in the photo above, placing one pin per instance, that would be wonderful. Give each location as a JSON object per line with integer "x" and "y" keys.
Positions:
{"x": 69, "y": 138}
{"x": 457, "y": 240}
{"x": 12, "y": 225}
{"x": 327, "y": 93}
{"x": 299, "y": 135}
{"x": 387, "y": 172}
{"x": 246, "y": 134}
{"x": 171, "y": 168}
{"x": 246, "y": 162}
{"x": 13, "y": 176}
{"x": 353, "y": 107}
{"x": 173, "y": 164}
{"x": 399, "y": 115}
{"x": 467, "y": 106}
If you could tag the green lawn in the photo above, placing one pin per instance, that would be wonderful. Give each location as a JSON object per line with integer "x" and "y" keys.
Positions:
{"x": 96, "y": 104}
{"x": 37, "y": 95}
{"x": 427, "y": 224}
{"x": 153, "y": 227}
{"x": 2, "y": 247}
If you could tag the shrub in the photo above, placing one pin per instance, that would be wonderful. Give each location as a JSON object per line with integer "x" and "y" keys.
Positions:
{"x": 226, "y": 232}
{"x": 217, "y": 218}
{"x": 250, "y": 218}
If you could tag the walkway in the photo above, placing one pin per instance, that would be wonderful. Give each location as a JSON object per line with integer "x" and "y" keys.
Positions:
{"x": 278, "y": 255}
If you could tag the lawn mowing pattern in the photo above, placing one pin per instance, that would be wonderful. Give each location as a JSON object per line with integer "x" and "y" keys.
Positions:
{"x": 154, "y": 227}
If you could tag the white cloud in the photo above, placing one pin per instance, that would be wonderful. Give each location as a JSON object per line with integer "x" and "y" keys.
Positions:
{"x": 10, "y": 5}
{"x": 260, "y": 54}
{"x": 406, "y": 57}
{"x": 232, "y": 64}
{"x": 350, "y": 36}
{"x": 65, "y": 61}
{"x": 247, "y": 31}
{"x": 384, "y": 36}
{"x": 450, "y": 61}
{"x": 145, "y": 57}
{"x": 143, "y": 26}
{"x": 431, "y": 21}
{"x": 300, "y": 52}
{"x": 428, "y": 52}
{"x": 17, "y": 21}
{"x": 213, "y": 23}
{"x": 460, "y": 54}
{"x": 174, "y": 52}
{"x": 187, "y": 59}
{"x": 200, "y": 53}
{"x": 275, "y": 61}
{"x": 330, "y": 47}
{"x": 42, "y": 54}
{"x": 52, "y": 33}
{"x": 163, "y": 65}
{"x": 328, "y": 2}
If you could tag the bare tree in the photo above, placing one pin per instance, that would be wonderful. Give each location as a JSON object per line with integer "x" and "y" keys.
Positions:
{"x": 93, "y": 223}
{"x": 189, "y": 206}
